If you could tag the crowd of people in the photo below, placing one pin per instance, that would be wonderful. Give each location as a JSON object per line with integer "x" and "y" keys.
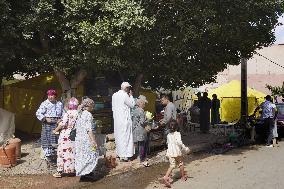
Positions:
{"x": 72, "y": 133}
{"x": 132, "y": 137}
{"x": 69, "y": 144}
{"x": 200, "y": 111}
{"x": 70, "y": 128}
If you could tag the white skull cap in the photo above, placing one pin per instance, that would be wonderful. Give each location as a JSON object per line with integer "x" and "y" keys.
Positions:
{"x": 124, "y": 85}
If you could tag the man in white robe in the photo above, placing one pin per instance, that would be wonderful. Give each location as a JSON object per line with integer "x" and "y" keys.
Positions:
{"x": 122, "y": 102}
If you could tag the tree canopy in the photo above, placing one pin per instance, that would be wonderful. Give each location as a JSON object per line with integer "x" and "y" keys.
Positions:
{"x": 191, "y": 41}
{"x": 163, "y": 43}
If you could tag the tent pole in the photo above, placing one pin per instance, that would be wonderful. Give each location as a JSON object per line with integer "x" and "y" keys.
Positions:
{"x": 244, "y": 98}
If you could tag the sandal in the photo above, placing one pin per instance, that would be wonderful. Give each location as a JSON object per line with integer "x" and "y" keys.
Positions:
{"x": 165, "y": 181}
{"x": 57, "y": 175}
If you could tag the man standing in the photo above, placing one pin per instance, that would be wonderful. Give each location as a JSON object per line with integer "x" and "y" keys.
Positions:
{"x": 204, "y": 119}
{"x": 49, "y": 113}
{"x": 170, "y": 112}
{"x": 215, "y": 106}
{"x": 122, "y": 102}
{"x": 269, "y": 113}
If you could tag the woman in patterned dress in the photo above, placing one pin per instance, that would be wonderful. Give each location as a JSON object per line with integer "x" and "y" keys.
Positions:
{"x": 86, "y": 156}
{"x": 66, "y": 151}
{"x": 49, "y": 113}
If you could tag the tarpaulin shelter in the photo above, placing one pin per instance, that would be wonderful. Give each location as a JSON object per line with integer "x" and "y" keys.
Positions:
{"x": 7, "y": 125}
{"x": 24, "y": 97}
{"x": 230, "y": 97}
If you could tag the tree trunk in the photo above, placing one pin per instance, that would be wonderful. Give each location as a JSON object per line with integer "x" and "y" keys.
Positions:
{"x": 77, "y": 80}
{"x": 65, "y": 84}
{"x": 137, "y": 85}
{"x": 69, "y": 87}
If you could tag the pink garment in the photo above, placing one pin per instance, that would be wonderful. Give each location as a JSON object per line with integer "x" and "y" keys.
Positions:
{"x": 66, "y": 151}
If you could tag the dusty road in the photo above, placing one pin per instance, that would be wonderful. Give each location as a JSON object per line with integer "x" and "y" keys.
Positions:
{"x": 244, "y": 168}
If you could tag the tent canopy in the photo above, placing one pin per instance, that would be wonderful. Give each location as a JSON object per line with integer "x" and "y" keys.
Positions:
{"x": 230, "y": 98}
{"x": 233, "y": 89}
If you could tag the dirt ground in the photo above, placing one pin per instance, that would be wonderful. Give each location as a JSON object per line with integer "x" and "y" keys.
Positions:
{"x": 125, "y": 175}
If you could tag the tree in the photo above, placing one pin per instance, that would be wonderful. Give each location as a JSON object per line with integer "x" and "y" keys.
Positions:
{"x": 276, "y": 90}
{"x": 71, "y": 37}
{"x": 191, "y": 41}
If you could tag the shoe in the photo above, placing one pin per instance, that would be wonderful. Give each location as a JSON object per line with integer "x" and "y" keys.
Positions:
{"x": 57, "y": 175}
{"x": 87, "y": 178}
{"x": 124, "y": 160}
{"x": 269, "y": 146}
{"x": 146, "y": 164}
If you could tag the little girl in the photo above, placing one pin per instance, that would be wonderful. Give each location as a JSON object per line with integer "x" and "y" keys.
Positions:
{"x": 174, "y": 153}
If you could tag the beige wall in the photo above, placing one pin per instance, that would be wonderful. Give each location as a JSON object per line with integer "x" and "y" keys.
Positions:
{"x": 260, "y": 70}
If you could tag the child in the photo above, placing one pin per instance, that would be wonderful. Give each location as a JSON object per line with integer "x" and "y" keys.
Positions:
{"x": 174, "y": 153}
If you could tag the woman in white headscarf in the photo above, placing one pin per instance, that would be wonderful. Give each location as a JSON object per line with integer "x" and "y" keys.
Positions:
{"x": 86, "y": 154}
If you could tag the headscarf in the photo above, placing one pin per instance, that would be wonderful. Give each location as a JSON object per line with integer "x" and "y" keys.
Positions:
{"x": 73, "y": 104}
{"x": 87, "y": 102}
{"x": 51, "y": 92}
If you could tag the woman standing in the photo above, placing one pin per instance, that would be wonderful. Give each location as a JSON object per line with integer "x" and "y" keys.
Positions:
{"x": 86, "y": 156}
{"x": 139, "y": 132}
{"x": 65, "y": 151}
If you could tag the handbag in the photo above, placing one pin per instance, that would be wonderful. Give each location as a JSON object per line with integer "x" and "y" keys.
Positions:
{"x": 72, "y": 134}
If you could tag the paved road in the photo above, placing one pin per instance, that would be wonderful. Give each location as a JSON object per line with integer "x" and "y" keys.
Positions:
{"x": 245, "y": 168}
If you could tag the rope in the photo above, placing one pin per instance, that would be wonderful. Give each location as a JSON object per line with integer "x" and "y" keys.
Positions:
{"x": 269, "y": 60}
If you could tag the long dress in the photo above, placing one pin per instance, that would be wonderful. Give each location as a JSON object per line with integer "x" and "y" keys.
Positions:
{"x": 85, "y": 159}
{"x": 121, "y": 104}
{"x": 204, "y": 119}
{"x": 66, "y": 147}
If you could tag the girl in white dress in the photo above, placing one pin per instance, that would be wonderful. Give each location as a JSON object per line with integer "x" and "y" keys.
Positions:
{"x": 174, "y": 153}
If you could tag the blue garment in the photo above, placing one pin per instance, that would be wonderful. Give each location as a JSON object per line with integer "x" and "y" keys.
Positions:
{"x": 54, "y": 111}
{"x": 50, "y": 110}
{"x": 267, "y": 109}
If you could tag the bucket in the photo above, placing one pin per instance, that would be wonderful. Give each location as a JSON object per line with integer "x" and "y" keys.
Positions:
{"x": 17, "y": 143}
{"x": 8, "y": 156}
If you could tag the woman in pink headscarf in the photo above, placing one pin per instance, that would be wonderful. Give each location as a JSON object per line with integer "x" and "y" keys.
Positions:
{"x": 65, "y": 150}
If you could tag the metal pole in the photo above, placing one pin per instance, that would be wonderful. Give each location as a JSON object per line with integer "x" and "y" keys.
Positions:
{"x": 244, "y": 98}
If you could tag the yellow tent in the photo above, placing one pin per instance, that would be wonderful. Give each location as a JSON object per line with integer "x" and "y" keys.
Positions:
{"x": 230, "y": 97}
{"x": 24, "y": 97}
